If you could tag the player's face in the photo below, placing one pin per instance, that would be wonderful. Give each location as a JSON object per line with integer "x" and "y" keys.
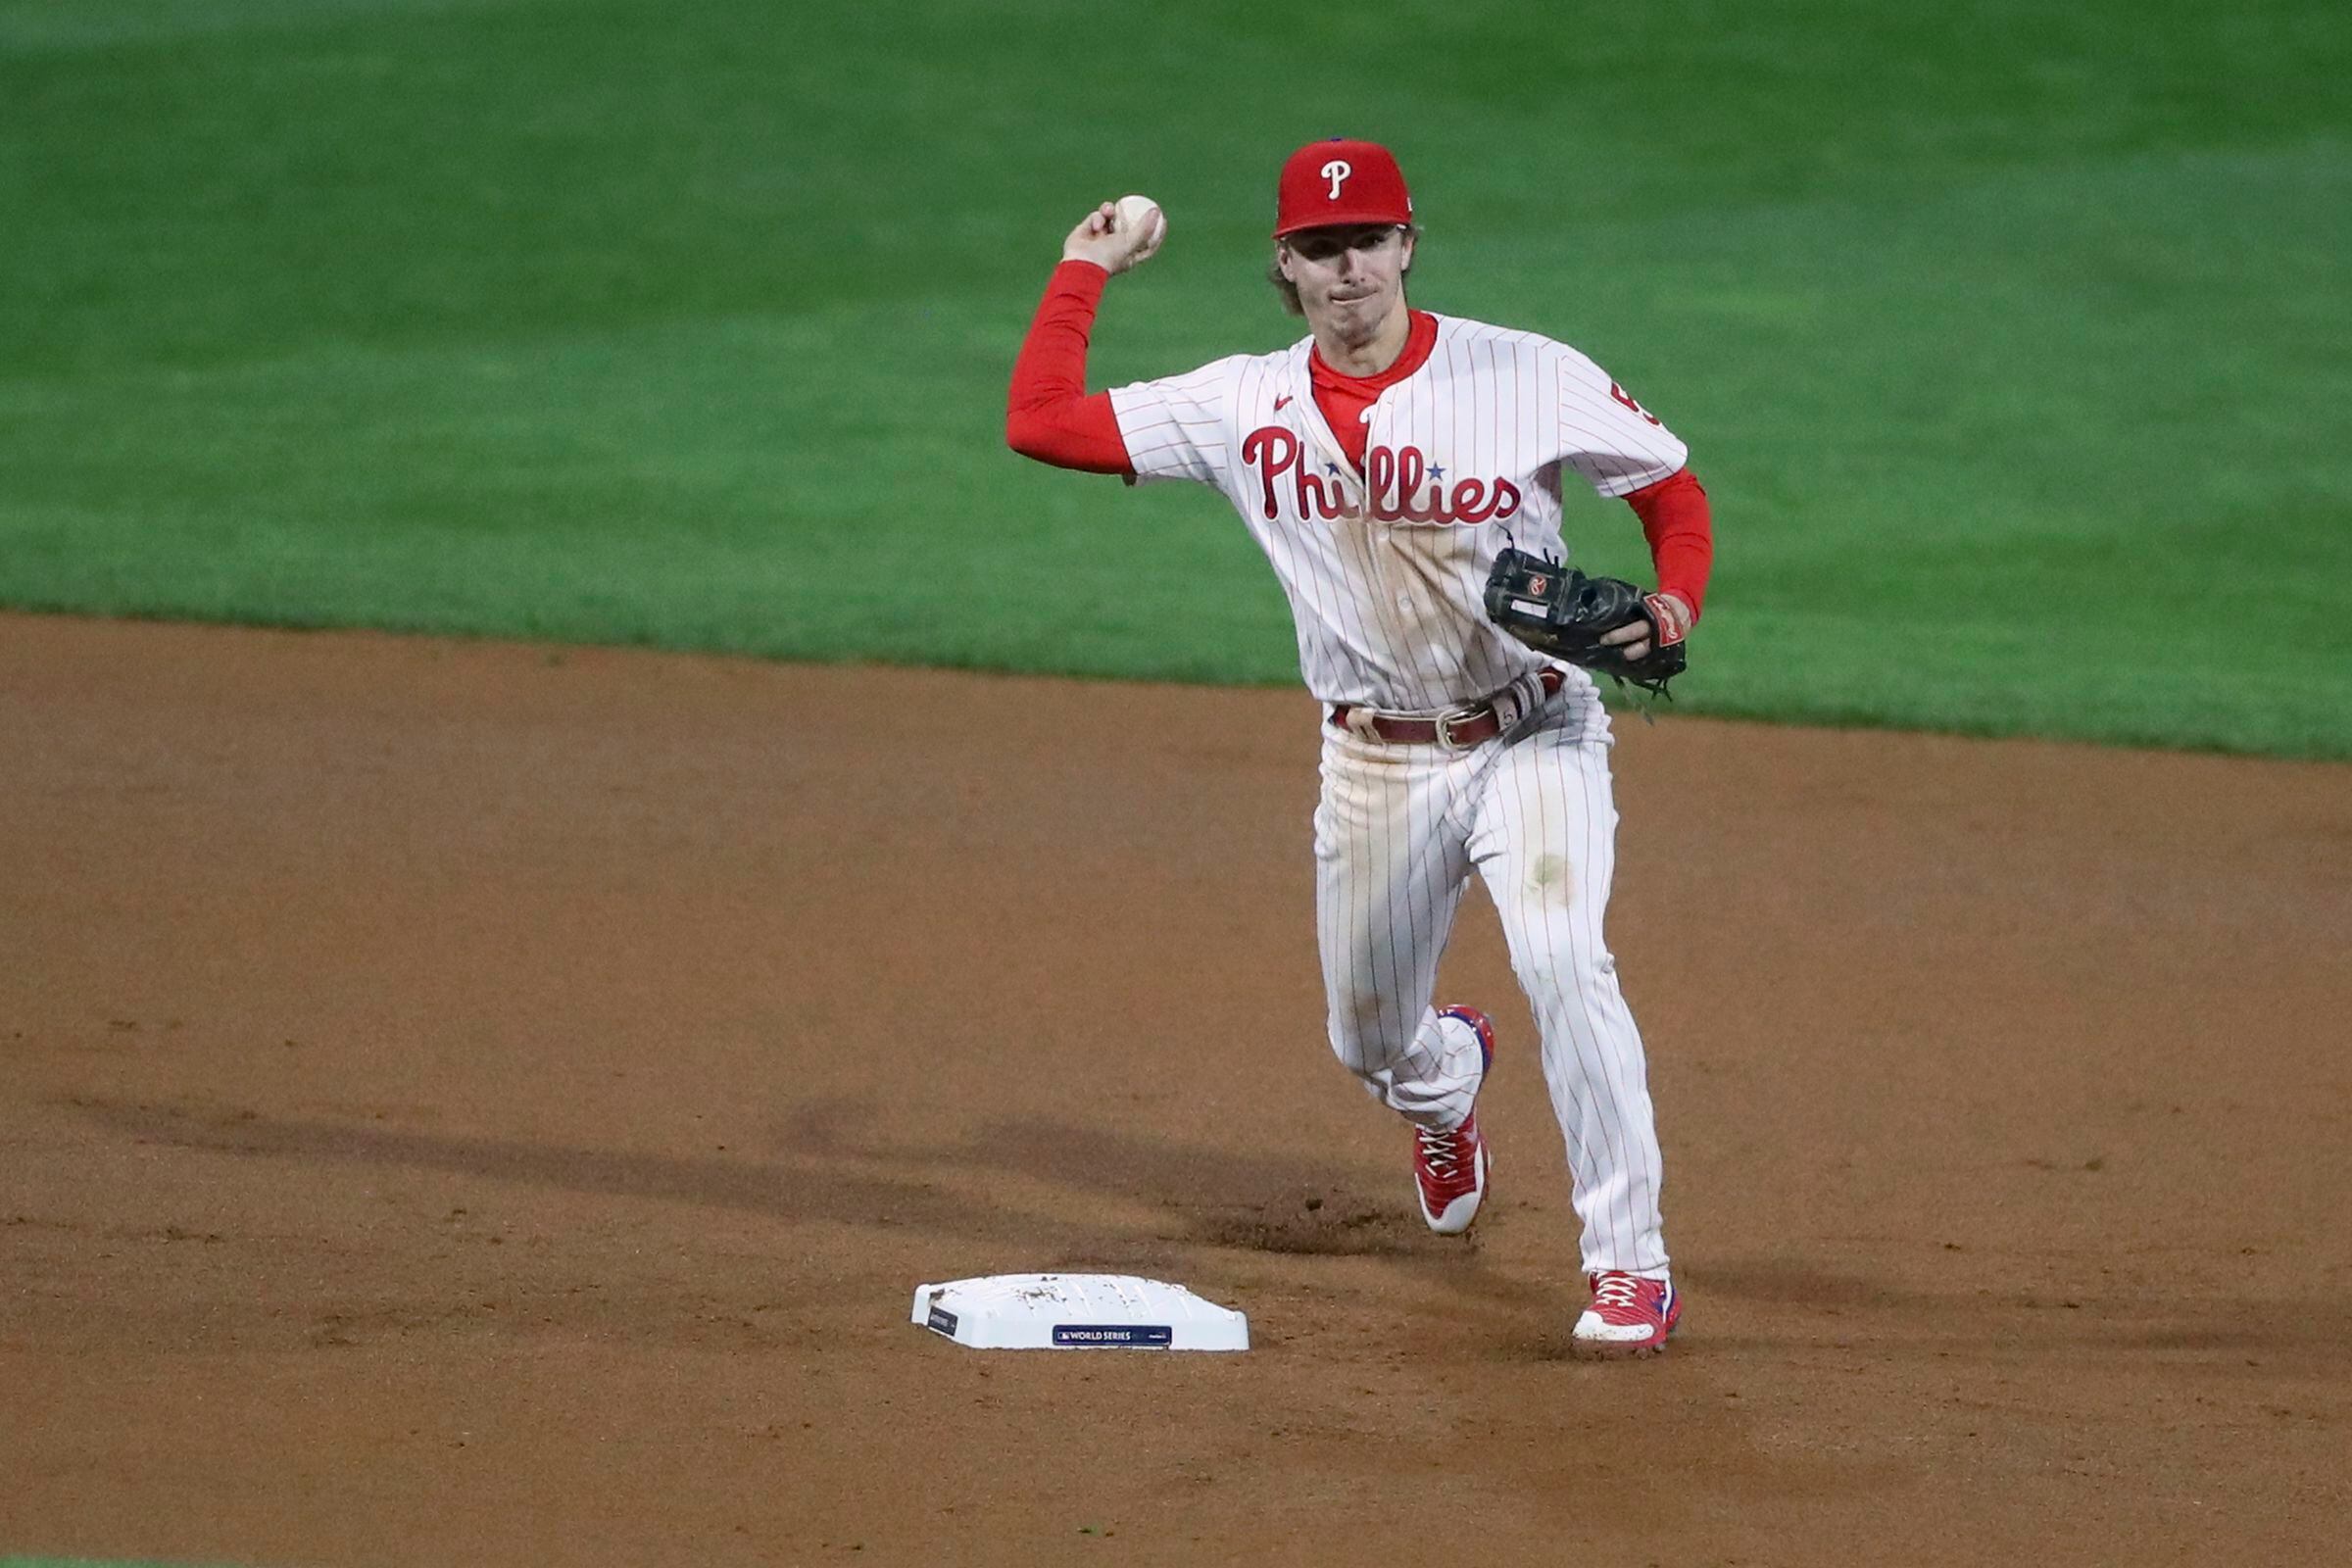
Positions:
{"x": 1348, "y": 278}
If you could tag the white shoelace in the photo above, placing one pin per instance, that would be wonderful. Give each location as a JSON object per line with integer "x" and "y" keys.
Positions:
{"x": 1440, "y": 1151}
{"x": 1617, "y": 1290}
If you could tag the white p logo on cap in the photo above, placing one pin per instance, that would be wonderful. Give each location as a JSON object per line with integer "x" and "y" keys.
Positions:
{"x": 1337, "y": 170}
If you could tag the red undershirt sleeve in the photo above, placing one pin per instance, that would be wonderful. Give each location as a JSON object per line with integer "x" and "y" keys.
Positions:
{"x": 1682, "y": 537}
{"x": 1048, "y": 414}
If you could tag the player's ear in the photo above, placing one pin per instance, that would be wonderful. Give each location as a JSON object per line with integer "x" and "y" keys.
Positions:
{"x": 1410, "y": 234}
{"x": 1281, "y": 259}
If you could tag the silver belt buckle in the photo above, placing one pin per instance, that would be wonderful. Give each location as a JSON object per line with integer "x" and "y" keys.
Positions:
{"x": 1460, "y": 715}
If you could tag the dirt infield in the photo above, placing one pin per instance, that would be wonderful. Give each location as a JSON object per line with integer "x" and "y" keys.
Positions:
{"x": 477, "y": 1104}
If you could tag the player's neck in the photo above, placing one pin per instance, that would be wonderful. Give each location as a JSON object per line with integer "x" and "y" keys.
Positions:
{"x": 1374, "y": 354}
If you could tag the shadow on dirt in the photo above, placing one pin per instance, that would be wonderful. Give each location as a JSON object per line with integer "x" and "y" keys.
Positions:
{"x": 781, "y": 1191}
{"x": 1267, "y": 1203}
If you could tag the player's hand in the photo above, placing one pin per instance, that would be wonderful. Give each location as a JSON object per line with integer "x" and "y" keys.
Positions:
{"x": 1634, "y": 636}
{"x": 1093, "y": 241}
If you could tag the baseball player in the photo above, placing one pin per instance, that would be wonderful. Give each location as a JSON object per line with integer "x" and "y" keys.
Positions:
{"x": 1382, "y": 462}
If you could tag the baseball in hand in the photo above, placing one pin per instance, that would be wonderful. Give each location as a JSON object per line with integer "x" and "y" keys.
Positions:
{"x": 1140, "y": 214}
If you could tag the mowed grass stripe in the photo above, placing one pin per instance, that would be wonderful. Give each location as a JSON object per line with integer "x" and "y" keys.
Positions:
{"x": 2009, "y": 370}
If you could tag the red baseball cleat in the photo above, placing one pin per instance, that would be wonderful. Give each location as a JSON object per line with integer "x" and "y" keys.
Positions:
{"x": 1450, "y": 1169}
{"x": 1630, "y": 1317}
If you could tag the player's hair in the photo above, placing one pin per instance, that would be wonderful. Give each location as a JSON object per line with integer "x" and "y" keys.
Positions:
{"x": 1289, "y": 290}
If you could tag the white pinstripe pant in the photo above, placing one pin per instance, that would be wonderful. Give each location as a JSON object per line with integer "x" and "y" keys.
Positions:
{"x": 1397, "y": 833}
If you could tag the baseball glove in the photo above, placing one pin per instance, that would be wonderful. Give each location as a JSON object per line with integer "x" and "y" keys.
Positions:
{"x": 1557, "y": 610}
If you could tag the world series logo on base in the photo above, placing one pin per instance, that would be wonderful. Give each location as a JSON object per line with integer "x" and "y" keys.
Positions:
{"x": 1076, "y": 1312}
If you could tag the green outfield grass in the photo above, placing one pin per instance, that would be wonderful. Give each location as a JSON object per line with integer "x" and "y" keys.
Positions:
{"x": 2010, "y": 340}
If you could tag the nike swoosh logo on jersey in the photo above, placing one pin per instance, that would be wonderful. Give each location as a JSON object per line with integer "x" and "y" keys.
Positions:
{"x": 1282, "y": 403}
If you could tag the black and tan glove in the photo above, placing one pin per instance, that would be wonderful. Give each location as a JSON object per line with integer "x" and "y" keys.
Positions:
{"x": 1558, "y": 610}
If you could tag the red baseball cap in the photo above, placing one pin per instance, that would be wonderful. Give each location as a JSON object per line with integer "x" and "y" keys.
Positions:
{"x": 1340, "y": 181}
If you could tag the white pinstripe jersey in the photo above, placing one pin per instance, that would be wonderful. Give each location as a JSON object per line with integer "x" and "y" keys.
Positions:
{"x": 1386, "y": 569}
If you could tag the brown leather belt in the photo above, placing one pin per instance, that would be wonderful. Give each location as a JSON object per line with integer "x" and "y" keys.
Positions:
{"x": 1458, "y": 730}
